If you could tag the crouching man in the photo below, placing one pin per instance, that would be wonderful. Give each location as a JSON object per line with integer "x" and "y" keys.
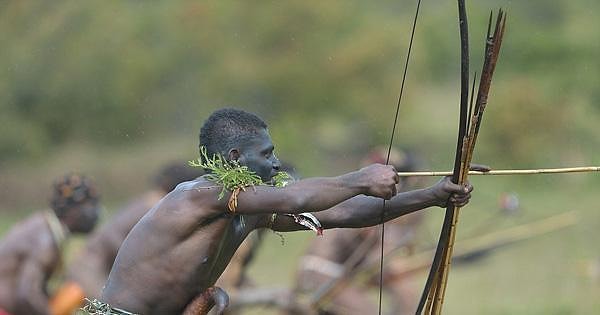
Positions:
{"x": 175, "y": 253}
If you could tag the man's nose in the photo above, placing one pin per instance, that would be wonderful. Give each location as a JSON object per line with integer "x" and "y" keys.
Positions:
{"x": 276, "y": 163}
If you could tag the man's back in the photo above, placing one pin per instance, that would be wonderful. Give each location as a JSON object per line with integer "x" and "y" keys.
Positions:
{"x": 174, "y": 253}
{"x": 87, "y": 273}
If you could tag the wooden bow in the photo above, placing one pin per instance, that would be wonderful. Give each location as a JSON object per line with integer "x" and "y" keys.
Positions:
{"x": 470, "y": 121}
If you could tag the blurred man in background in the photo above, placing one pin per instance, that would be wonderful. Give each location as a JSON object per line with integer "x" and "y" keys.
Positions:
{"x": 88, "y": 272}
{"x": 327, "y": 257}
{"x": 31, "y": 251}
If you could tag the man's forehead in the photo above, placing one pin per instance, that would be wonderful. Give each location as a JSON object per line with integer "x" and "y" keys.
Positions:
{"x": 261, "y": 140}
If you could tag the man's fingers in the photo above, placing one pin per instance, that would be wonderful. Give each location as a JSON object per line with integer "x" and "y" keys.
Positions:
{"x": 390, "y": 193}
{"x": 395, "y": 174}
{"x": 468, "y": 188}
{"x": 459, "y": 203}
{"x": 460, "y": 200}
{"x": 459, "y": 195}
{"x": 455, "y": 188}
{"x": 460, "y": 189}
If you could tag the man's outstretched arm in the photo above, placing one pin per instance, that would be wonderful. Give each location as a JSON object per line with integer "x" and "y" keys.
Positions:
{"x": 316, "y": 194}
{"x": 363, "y": 211}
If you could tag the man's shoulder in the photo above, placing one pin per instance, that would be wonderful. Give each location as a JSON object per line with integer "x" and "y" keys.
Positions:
{"x": 194, "y": 184}
{"x": 192, "y": 200}
{"x": 199, "y": 189}
{"x": 30, "y": 227}
{"x": 20, "y": 237}
{"x": 35, "y": 238}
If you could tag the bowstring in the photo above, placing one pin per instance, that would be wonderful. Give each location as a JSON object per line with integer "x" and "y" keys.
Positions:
{"x": 387, "y": 160}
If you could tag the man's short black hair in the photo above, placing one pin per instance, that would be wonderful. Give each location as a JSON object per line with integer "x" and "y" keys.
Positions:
{"x": 226, "y": 128}
{"x": 71, "y": 190}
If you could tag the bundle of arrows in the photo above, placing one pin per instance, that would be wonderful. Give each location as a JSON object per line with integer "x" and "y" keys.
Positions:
{"x": 471, "y": 116}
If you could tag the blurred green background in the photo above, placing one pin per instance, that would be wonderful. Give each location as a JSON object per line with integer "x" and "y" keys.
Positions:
{"x": 115, "y": 89}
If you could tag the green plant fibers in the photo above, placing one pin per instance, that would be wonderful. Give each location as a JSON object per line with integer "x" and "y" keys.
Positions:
{"x": 231, "y": 175}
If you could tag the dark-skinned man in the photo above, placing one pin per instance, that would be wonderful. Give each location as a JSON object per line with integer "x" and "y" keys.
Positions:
{"x": 31, "y": 251}
{"x": 88, "y": 271}
{"x": 177, "y": 251}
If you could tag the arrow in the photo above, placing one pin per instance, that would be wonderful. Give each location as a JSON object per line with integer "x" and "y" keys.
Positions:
{"x": 582, "y": 169}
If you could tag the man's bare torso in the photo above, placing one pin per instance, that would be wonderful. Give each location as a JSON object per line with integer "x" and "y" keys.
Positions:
{"x": 176, "y": 251}
{"x": 28, "y": 238}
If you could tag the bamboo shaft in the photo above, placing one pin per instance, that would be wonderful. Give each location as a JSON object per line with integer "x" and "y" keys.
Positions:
{"x": 584, "y": 169}
{"x": 492, "y": 49}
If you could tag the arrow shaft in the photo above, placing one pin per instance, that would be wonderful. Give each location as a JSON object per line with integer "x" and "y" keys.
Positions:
{"x": 583, "y": 169}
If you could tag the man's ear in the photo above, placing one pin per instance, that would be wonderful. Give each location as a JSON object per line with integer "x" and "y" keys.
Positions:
{"x": 233, "y": 154}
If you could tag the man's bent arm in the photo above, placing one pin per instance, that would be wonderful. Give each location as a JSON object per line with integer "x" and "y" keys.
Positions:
{"x": 30, "y": 291}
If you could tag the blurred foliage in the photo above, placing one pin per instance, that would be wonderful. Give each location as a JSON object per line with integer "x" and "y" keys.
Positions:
{"x": 325, "y": 75}
{"x": 115, "y": 88}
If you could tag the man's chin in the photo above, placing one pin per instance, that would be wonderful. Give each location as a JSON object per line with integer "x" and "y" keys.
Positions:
{"x": 268, "y": 180}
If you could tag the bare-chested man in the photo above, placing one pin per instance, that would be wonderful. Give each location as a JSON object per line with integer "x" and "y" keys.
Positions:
{"x": 88, "y": 271}
{"x": 31, "y": 251}
{"x": 179, "y": 248}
